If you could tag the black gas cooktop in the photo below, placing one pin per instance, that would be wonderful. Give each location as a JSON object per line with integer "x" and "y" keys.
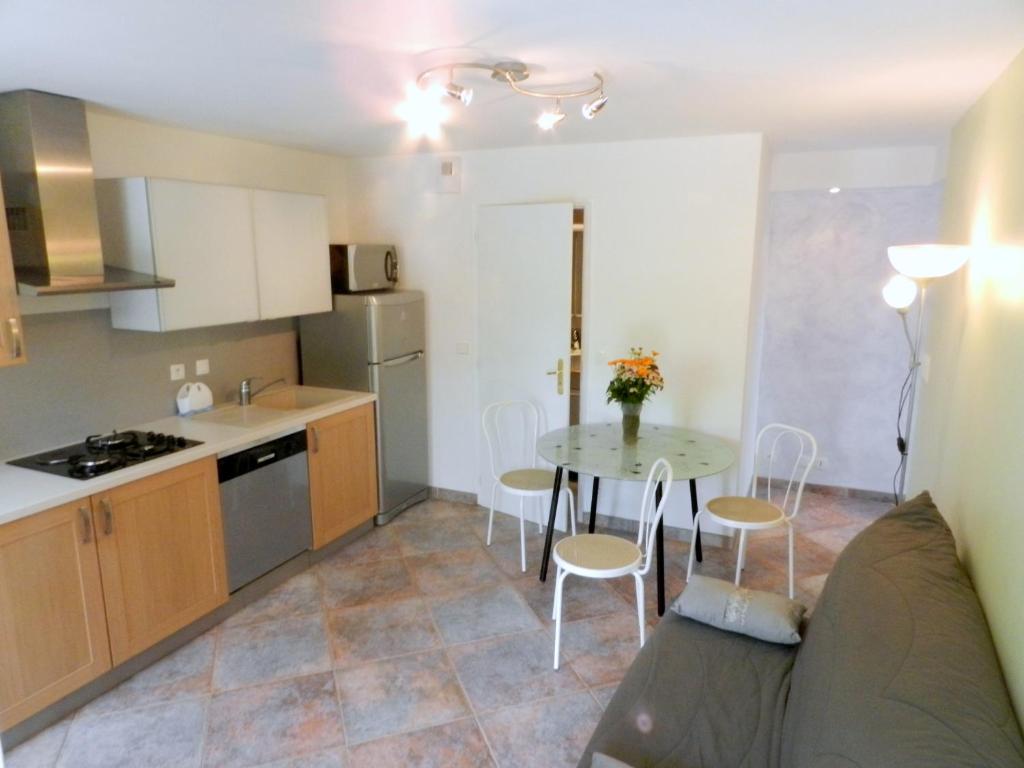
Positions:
{"x": 100, "y": 454}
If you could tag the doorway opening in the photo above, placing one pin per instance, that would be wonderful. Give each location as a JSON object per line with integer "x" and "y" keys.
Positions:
{"x": 576, "y": 319}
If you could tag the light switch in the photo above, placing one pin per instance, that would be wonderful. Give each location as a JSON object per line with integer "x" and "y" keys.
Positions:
{"x": 202, "y": 367}
{"x": 177, "y": 372}
{"x": 462, "y": 348}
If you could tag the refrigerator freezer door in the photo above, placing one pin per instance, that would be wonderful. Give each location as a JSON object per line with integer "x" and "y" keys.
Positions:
{"x": 396, "y": 325}
{"x": 400, "y": 385}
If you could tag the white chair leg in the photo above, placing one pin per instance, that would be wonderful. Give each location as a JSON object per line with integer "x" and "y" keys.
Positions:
{"x": 522, "y": 534}
{"x": 740, "y": 561}
{"x": 791, "y": 590}
{"x": 640, "y": 605}
{"x": 554, "y": 600}
{"x": 693, "y": 543}
{"x": 572, "y": 509}
{"x": 558, "y": 613}
{"x": 490, "y": 517}
{"x": 540, "y": 514}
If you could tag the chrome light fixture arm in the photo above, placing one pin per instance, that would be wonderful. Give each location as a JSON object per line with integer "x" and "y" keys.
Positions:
{"x": 512, "y": 75}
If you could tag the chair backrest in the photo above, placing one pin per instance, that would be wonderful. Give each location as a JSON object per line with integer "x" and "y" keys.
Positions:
{"x": 651, "y": 509}
{"x": 511, "y": 428}
{"x": 787, "y": 454}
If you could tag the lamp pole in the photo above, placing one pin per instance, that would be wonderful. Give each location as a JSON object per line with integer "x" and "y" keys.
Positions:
{"x": 903, "y": 440}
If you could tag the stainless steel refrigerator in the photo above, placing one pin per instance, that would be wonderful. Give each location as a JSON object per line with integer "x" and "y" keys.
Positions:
{"x": 375, "y": 342}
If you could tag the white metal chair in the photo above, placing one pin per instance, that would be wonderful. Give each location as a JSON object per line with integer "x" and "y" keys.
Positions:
{"x": 749, "y": 513}
{"x": 514, "y": 464}
{"x": 600, "y": 556}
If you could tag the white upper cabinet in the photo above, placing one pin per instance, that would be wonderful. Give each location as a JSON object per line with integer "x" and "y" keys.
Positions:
{"x": 235, "y": 254}
{"x": 293, "y": 268}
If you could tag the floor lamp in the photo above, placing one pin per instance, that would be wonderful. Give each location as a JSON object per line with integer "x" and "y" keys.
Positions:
{"x": 917, "y": 266}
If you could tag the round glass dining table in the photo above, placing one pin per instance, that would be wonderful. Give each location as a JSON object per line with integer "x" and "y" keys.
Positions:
{"x": 599, "y": 450}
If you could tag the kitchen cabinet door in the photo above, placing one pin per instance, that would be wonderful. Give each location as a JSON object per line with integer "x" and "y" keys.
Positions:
{"x": 342, "y": 472}
{"x": 199, "y": 235}
{"x": 293, "y": 262}
{"x": 161, "y": 548}
{"x": 53, "y": 632}
{"x": 12, "y": 341}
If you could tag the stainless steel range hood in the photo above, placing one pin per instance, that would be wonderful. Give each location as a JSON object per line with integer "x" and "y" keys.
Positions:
{"x": 46, "y": 171}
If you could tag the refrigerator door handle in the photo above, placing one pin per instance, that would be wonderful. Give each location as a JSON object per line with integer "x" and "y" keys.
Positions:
{"x": 400, "y": 360}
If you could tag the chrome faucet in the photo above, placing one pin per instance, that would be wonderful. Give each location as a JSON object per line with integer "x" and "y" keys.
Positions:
{"x": 245, "y": 393}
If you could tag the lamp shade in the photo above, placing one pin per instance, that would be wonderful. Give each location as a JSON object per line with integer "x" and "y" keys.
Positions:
{"x": 900, "y": 292}
{"x": 928, "y": 260}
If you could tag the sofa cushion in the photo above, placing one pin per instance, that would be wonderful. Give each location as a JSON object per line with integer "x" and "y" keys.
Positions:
{"x": 897, "y": 665}
{"x": 697, "y": 697}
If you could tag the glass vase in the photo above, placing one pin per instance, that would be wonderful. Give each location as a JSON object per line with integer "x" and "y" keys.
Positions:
{"x": 631, "y": 421}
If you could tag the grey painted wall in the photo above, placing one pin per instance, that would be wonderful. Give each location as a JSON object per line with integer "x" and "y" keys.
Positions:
{"x": 834, "y": 354}
{"x": 84, "y": 377}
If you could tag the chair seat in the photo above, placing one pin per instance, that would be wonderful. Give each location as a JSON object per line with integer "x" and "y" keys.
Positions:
{"x": 745, "y": 512}
{"x": 597, "y": 554}
{"x": 528, "y": 480}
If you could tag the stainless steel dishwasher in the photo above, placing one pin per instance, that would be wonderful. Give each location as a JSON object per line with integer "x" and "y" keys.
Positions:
{"x": 264, "y": 493}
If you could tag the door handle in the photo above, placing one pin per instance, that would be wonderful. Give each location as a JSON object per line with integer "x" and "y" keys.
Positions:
{"x": 316, "y": 440}
{"x": 395, "y": 361}
{"x": 559, "y": 372}
{"x": 15, "y": 328}
{"x": 83, "y": 513}
{"x": 108, "y": 516}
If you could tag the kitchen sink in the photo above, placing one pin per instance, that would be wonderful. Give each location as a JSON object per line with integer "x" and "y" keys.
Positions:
{"x": 298, "y": 398}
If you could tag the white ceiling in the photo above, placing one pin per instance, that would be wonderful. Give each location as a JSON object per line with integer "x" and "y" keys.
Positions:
{"x": 327, "y": 74}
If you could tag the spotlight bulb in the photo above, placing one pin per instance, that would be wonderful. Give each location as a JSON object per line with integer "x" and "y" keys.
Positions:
{"x": 550, "y": 119}
{"x": 459, "y": 93}
{"x": 900, "y": 292}
{"x": 591, "y": 108}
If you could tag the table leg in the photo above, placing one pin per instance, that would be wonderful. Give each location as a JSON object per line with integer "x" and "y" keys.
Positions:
{"x": 659, "y": 545}
{"x": 593, "y": 504}
{"x": 693, "y": 508}
{"x": 551, "y": 524}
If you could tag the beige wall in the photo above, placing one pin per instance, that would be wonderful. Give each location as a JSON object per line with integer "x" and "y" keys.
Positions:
{"x": 968, "y": 444}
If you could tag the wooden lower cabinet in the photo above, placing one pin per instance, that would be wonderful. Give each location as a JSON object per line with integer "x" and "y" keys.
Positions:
{"x": 161, "y": 550}
{"x": 342, "y": 472}
{"x": 53, "y": 632}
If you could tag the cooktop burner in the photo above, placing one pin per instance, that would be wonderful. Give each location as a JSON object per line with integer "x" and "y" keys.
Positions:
{"x": 100, "y": 454}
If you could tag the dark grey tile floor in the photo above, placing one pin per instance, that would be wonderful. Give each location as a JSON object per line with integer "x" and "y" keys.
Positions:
{"x": 414, "y": 646}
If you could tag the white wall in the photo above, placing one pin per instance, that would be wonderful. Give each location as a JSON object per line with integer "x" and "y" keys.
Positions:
{"x": 865, "y": 168}
{"x": 967, "y": 446}
{"x": 670, "y": 241}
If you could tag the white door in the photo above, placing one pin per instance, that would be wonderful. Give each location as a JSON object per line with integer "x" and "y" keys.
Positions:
{"x": 293, "y": 259}
{"x": 524, "y": 272}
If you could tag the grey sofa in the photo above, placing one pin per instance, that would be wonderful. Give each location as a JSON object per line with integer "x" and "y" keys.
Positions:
{"x": 896, "y": 668}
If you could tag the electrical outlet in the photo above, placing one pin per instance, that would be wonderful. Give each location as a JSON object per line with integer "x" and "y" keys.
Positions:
{"x": 202, "y": 367}
{"x": 177, "y": 372}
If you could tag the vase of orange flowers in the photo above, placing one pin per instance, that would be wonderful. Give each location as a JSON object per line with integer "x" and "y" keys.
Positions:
{"x": 636, "y": 379}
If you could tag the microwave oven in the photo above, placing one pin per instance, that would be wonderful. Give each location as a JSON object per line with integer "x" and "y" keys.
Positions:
{"x": 361, "y": 268}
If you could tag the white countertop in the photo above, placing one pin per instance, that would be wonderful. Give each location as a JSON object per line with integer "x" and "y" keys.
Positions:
{"x": 24, "y": 492}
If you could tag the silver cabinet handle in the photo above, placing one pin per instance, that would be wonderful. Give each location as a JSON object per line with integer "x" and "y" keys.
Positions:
{"x": 15, "y": 327}
{"x": 83, "y": 513}
{"x": 108, "y": 516}
{"x": 316, "y": 440}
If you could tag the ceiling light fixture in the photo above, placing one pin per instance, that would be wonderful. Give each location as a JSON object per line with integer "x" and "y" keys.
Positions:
{"x": 548, "y": 119}
{"x": 424, "y": 113}
{"x": 834, "y": 190}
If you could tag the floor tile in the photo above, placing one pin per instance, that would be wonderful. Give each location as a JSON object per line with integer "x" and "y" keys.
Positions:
{"x": 332, "y": 758}
{"x": 160, "y": 736}
{"x": 299, "y": 596}
{"x": 424, "y": 535}
{"x": 371, "y": 632}
{"x": 505, "y": 528}
{"x": 604, "y": 694}
{"x": 546, "y": 734}
{"x": 376, "y": 544}
{"x": 388, "y": 697}
{"x": 509, "y": 670}
{"x": 480, "y": 613}
{"x": 272, "y": 650}
{"x": 454, "y": 745}
{"x": 184, "y": 673}
{"x": 601, "y": 650}
{"x": 835, "y": 539}
{"x": 452, "y": 571}
{"x": 348, "y": 585}
{"x": 260, "y": 724}
{"x": 506, "y": 553}
{"x": 40, "y": 751}
{"x": 582, "y": 598}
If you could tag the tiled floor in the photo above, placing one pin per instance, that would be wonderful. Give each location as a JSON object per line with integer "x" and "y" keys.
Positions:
{"x": 414, "y": 646}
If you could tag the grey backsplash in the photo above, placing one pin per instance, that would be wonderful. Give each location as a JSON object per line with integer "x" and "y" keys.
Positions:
{"x": 83, "y": 377}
